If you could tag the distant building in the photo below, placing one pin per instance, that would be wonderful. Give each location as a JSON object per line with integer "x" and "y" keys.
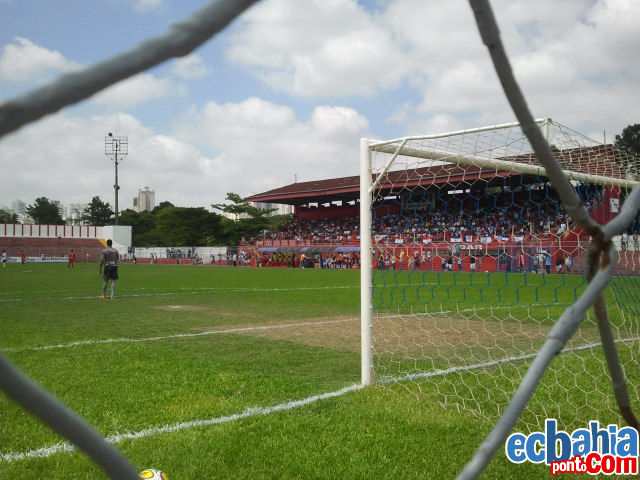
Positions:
{"x": 19, "y": 208}
{"x": 76, "y": 210}
{"x": 145, "y": 201}
{"x": 281, "y": 209}
{"x": 62, "y": 210}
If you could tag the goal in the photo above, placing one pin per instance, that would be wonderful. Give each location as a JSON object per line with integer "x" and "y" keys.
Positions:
{"x": 469, "y": 258}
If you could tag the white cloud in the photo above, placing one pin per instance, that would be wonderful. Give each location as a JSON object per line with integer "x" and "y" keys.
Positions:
{"x": 146, "y": 5}
{"x": 191, "y": 66}
{"x": 261, "y": 145}
{"x": 74, "y": 167}
{"x": 246, "y": 147}
{"x": 560, "y": 51}
{"x": 23, "y": 60}
{"x": 138, "y": 89}
{"x": 318, "y": 48}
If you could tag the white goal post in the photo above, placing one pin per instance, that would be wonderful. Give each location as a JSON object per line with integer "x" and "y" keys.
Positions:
{"x": 468, "y": 257}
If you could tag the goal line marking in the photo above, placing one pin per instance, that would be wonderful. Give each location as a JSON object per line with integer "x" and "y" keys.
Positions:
{"x": 177, "y": 335}
{"x": 117, "y": 438}
{"x": 192, "y": 291}
{"x": 254, "y": 411}
{"x": 78, "y": 343}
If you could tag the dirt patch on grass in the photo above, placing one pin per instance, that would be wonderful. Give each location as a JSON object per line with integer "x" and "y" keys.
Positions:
{"x": 198, "y": 308}
{"x": 414, "y": 336}
{"x": 182, "y": 308}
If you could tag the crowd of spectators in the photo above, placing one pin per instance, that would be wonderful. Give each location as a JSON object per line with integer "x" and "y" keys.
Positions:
{"x": 318, "y": 230}
{"x": 507, "y": 213}
{"x": 494, "y": 216}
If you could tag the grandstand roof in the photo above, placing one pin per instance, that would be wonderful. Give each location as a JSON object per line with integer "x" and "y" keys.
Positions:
{"x": 348, "y": 188}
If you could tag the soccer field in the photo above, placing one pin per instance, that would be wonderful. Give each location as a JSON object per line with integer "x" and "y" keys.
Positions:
{"x": 219, "y": 372}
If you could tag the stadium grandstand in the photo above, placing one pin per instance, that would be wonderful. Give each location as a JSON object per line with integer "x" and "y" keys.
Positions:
{"x": 450, "y": 217}
{"x": 52, "y": 243}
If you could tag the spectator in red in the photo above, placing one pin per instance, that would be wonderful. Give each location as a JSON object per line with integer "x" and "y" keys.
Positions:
{"x": 72, "y": 258}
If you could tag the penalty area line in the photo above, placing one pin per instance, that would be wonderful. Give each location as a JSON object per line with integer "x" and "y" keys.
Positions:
{"x": 177, "y": 335}
{"x": 175, "y": 427}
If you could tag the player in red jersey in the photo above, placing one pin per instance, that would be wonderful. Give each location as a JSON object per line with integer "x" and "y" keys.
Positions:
{"x": 72, "y": 258}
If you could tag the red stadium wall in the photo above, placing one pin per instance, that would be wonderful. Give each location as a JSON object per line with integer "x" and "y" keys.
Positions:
{"x": 328, "y": 212}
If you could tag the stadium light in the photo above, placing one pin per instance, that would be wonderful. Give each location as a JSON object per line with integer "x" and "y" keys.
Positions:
{"x": 116, "y": 148}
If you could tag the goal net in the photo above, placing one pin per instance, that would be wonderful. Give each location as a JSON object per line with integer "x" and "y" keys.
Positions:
{"x": 473, "y": 260}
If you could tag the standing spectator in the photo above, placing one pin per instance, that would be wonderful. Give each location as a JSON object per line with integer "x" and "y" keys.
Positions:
{"x": 568, "y": 263}
{"x": 506, "y": 260}
{"x": 624, "y": 240}
{"x": 521, "y": 261}
{"x": 381, "y": 261}
{"x": 72, "y": 258}
{"x": 460, "y": 263}
{"x": 110, "y": 259}
{"x": 547, "y": 262}
{"x": 559, "y": 263}
{"x": 472, "y": 262}
{"x": 444, "y": 264}
{"x": 393, "y": 260}
{"x": 636, "y": 242}
{"x": 429, "y": 259}
{"x": 416, "y": 260}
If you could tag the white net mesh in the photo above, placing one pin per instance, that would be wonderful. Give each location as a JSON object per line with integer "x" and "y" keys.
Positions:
{"x": 475, "y": 259}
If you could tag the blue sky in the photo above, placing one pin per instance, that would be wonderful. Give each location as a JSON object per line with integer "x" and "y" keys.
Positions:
{"x": 290, "y": 88}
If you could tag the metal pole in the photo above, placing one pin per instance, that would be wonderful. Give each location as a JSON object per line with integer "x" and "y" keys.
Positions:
{"x": 116, "y": 185}
{"x": 366, "y": 311}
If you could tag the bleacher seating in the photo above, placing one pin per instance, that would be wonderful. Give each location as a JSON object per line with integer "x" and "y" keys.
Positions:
{"x": 85, "y": 249}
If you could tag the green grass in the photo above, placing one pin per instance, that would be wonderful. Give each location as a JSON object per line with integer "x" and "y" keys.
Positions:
{"x": 125, "y": 386}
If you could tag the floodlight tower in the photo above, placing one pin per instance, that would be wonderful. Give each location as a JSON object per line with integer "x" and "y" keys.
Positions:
{"x": 116, "y": 148}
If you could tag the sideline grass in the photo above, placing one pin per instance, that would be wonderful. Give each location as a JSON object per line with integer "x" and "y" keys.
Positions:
{"x": 126, "y": 387}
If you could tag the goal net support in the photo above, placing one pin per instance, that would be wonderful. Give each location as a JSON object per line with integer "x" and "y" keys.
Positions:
{"x": 469, "y": 258}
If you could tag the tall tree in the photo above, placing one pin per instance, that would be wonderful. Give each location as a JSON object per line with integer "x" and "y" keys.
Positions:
{"x": 629, "y": 140}
{"x": 97, "y": 213}
{"x": 253, "y": 223}
{"x": 44, "y": 212}
{"x": 182, "y": 227}
{"x": 143, "y": 228}
{"x": 161, "y": 206}
{"x": 8, "y": 217}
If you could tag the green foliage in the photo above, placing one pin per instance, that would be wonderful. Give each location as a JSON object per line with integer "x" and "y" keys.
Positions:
{"x": 629, "y": 140}
{"x": 181, "y": 368}
{"x": 162, "y": 205}
{"x": 97, "y": 213}
{"x": 252, "y": 222}
{"x": 44, "y": 212}
{"x": 239, "y": 206}
{"x": 8, "y": 217}
{"x": 143, "y": 228}
{"x": 182, "y": 226}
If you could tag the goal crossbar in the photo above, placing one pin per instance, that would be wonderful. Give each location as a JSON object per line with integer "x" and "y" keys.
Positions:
{"x": 445, "y": 157}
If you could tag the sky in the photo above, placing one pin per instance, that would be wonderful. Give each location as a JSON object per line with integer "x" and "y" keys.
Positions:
{"x": 287, "y": 91}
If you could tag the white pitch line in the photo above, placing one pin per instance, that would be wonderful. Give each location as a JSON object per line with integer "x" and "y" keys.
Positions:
{"x": 242, "y": 329}
{"x": 493, "y": 363}
{"x": 117, "y": 438}
{"x": 177, "y": 335}
{"x": 253, "y": 411}
{"x": 192, "y": 291}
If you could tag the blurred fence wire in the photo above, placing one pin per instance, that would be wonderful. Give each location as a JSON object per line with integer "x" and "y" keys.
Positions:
{"x": 599, "y": 268}
{"x": 180, "y": 40}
